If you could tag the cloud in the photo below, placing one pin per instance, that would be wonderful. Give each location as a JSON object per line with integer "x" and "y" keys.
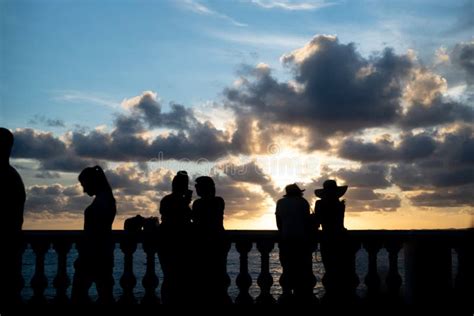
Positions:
{"x": 55, "y": 198}
{"x": 148, "y": 108}
{"x": 448, "y": 197}
{"x": 41, "y": 119}
{"x": 443, "y": 175}
{"x": 85, "y": 97}
{"x": 259, "y": 39}
{"x": 197, "y": 7}
{"x": 33, "y": 144}
{"x": 410, "y": 147}
{"x": 252, "y": 173}
{"x": 292, "y": 5}
{"x": 462, "y": 56}
{"x": 335, "y": 91}
{"x": 363, "y": 183}
{"x": 45, "y": 174}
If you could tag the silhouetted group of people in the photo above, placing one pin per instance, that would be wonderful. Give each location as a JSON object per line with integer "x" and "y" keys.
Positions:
{"x": 299, "y": 231}
{"x": 186, "y": 232}
{"x": 193, "y": 232}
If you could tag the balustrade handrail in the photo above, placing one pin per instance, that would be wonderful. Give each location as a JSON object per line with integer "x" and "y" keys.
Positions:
{"x": 439, "y": 243}
{"x": 448, "y": 235}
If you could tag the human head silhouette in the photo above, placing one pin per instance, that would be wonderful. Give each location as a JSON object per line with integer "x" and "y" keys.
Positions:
{"x": 180, "y": 182}
{"x": 93, "y": 181}
{"x": 330, "y": 190}
{"x": 6, "y": 144}
{"x": 293, "y": 190}
{"x": 205, "y": 187}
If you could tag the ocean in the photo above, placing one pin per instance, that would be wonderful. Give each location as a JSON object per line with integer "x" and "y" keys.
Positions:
{"x": 232, "y": 267}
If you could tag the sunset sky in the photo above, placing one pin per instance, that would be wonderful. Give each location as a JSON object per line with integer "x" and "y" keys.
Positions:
{"x": 256, "y": 93}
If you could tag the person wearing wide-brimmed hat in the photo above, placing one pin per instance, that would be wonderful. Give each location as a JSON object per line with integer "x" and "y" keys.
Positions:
{"x": 335, "y": 247}
{"x": 293, "y": 219}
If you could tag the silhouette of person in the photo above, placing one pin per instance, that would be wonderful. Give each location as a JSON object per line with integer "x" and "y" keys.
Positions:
{"x": 96, "y": 248}
{"x": 296, "y": 244}
{"x": 12, "y": 199}
{"x": 208, "y": 221}
{"x": 335, "y": 251}
{"x": 174, "y": 242}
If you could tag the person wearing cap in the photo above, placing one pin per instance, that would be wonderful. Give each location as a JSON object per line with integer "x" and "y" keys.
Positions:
{"x": 337, "y": 258}
{"x": 296, "y": 245}
{"x": 12, "y": 199}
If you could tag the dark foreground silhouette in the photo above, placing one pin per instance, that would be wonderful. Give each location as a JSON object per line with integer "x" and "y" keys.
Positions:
{"x": 12, "y": 201}
{"x": 296, "y": 246}
{"x": 175, "y": 240}
{"x": 96, "y": 259}
{"x": 340, "y": 280}
{"x": 211, "y": 244}
{"x": 192, "y": 246}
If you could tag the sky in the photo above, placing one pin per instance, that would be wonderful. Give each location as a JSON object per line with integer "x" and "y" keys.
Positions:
{"x": 258, "y": 94}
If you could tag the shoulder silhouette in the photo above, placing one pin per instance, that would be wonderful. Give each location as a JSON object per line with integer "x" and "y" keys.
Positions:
{"x": 296, "y": 245}
{"x": 12, "y": 201}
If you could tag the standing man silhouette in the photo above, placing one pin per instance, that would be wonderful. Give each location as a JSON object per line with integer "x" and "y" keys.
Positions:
{"x": 296, "y": 245}
{"x": 12, "y": 199}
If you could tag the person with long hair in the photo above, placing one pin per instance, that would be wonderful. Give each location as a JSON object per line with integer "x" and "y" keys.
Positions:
{"x": 174, "y": 249}
{"x": 96, "y": 259}
{"x": 208, "y": 221}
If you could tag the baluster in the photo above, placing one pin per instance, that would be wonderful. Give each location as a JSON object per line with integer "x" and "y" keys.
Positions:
{"x": 150, "y": 281}
{"x": 244, "y": 280}
{"x": 284, "y": 284}
{"x": 225, "y": 278}
{"x": 354, "y": 281}
{"x": 393, "y": 280}
{"x": 372, "y": 279}
{"x": 464, "y": 279}
{"x": 128, "y": 281}
{"x": 39, "y": 282}
{"x": 16, "y": 273}
{"x": 61, "y": 281}
{"x": 265, "y": 279}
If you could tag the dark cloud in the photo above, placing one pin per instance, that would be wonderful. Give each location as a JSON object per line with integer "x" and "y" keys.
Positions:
{"x": 353, "y": 149}
{"x": 363, "y": 200}
{"x": 45, "y": 174}
{"x": 463, "y": 57}
{"x": 336, "y": 91}
{"x": 367, "y": 176}
{"x": 128, "y": 179}
{"x": 241, "y": 201}
{"x": 446, "y": 197}
{"x": 36, "y": 145}
{"x": 442, "y": 176}
{"x": 439, "y": 112}
{"x": 250, "y": 172}
{"x": 411, "y": 147}
{"x": 363, "y": 182}
{"x": 55, "y": 199}
{"x": 41, "y": 119}
{"x": 149, "y": 109}
{"x": 69, "y": 162}
{"x": 341, "y": 91}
